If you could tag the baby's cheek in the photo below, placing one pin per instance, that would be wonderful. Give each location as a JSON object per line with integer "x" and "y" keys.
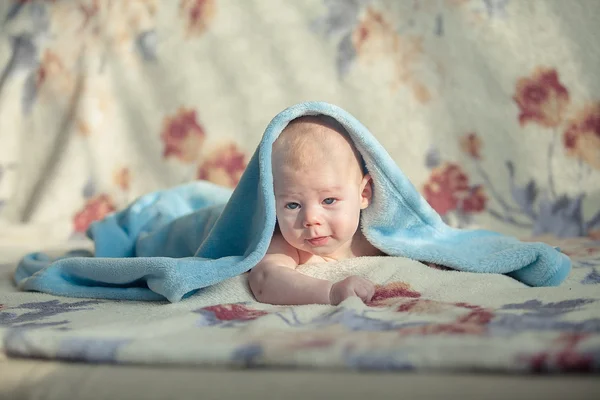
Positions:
{"x": 346, "y": 222}
{"x": 286, "y": 222}
{"x": 287, "y": 230}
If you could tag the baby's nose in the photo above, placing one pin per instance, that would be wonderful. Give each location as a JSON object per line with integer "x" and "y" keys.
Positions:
{"x": 311, "y": 218}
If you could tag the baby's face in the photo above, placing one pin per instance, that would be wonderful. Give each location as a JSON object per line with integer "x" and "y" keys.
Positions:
{"x": 318, "y": 210}
{"x": 319, "y": 190}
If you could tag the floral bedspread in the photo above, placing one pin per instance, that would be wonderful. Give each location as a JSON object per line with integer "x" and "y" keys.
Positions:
{"x": 103, "y": 101}
{"x": 421, "y": 318}
{"x": 491, "y": 107}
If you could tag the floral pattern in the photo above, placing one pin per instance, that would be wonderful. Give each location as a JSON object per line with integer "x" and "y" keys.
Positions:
{"x": 115, "y": 99}
{"x": 407, "y": 326}
{"x": 94, "y": 209}
{"x": 182, "y": 136}
{"x": 471, "y": 145}
{"x": 371, "y": 38}
{"x": 36, "y": 314}
{"x": 581, "y": 138}
{"x": 52, "y": 71}
{"x": 384, "y": 294}
{"x": 224, "y": 166}
{"x": 122, "y": 178}
{"x": 228, "y": 314}
{"x": 565, "y": 358}
{"x": 541, "y": 98}
{"x": 198, "y": 14}
{"x": 84, "y": 64}
{"x": 448, "y": 190}
{"x": 375, "y": 344}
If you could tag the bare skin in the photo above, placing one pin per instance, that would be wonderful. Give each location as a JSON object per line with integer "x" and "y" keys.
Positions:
{"x": 320, "y": 190}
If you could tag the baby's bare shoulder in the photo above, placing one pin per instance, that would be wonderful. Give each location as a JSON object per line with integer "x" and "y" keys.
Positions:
{"x": 280, "y": 253}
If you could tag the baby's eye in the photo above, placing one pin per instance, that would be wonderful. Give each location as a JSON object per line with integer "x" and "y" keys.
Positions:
{"x": 292, "y": 206}
{"x": 329, "y": 200}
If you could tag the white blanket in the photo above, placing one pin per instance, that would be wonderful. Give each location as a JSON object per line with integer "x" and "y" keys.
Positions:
{"x": 421, "y": 318}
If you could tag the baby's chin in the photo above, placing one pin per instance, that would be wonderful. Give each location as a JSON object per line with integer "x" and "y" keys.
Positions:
{"x": 317, "y": 251}
{"x": 321, "y": 251}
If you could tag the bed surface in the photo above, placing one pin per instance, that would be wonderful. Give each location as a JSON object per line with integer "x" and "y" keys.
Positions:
{"x": 58, "y": 381}
{"x": 488, "y": 106}
{"x": 559, "y": 334}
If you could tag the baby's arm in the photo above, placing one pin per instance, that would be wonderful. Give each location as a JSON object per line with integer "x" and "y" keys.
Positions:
{"x": 274, "y": 279}
{"x": 276, "y": 284}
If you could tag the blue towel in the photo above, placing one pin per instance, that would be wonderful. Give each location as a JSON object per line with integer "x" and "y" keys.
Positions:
{"x": 172, "y": 243}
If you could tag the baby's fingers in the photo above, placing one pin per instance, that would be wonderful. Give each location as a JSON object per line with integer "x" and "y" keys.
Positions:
{"x": 368, "y": 294}
{"x": 371, "y": 291}
{"x": 364, "y": 292}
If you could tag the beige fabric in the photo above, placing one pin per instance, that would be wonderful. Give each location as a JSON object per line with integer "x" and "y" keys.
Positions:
{"x": 25, "y": 380}
{"x": 420, "y": 318}
{"x": 102, "y": 101}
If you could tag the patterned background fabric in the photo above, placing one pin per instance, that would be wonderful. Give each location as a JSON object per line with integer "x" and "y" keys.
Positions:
{"x": 420, "y": 319}
{"x": 491, "y": 107}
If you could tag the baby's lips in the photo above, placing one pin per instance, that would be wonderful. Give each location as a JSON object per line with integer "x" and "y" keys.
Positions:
{"x": 317, "y": 240}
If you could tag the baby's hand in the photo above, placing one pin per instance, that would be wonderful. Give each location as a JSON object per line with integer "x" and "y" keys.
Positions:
{"x": 351, "y": 286}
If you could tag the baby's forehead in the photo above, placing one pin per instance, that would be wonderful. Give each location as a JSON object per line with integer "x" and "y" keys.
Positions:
{"x": 311, "y": 141}
{"x": 312, "y": 135}
{"x": 298, "y": 180}
{"x": 313, "y": 124}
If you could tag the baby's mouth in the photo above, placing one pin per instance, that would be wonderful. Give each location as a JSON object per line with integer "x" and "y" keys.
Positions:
{"x": 318, "y": 241}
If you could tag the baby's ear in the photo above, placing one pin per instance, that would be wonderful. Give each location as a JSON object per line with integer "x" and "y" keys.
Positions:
{"x": 366, "y": 191}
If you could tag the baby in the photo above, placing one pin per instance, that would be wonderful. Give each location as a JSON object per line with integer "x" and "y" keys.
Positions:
{"x": 320, "y": 189}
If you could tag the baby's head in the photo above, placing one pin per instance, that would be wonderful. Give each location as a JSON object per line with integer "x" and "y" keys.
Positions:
{"x": 320, "y": 185}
